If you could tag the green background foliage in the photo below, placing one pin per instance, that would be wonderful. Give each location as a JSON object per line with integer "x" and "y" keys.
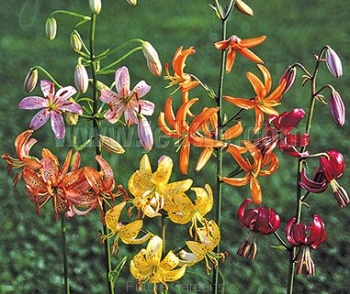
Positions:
{"x": 30, "y": 247}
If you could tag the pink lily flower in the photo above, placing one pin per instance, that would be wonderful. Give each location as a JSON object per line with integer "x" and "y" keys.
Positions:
{"x": 126, "y": 101}
{"x": 52, "y": 107}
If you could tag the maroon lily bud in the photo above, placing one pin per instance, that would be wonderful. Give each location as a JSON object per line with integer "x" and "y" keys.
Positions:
{"x": 337, "y": 108}
{"x": 289, "y": 76}
{"x": 333, "y": 63}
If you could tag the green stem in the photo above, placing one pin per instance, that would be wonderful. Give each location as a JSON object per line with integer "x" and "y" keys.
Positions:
{"x": 300, "y": 197}
{"x": 108, "y": 263}
{"x": 215, "y": 282}
{"x": 65, "y": 254}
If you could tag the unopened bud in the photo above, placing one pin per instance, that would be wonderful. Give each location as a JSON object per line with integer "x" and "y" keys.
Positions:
{"x": 95, "y": 6}
{"x": 337, "y": 108}
{"x": 132, "y": 2}
{"x": 152, "y": 58}
{"x": 71, "y": 118}
{"x": 145, "y": 133}
{"x": 289, "y": 76}
{"x": 51, "y": 28}
{"x": 111, "y": 145}
{"x": 334, "y": 63}
{"x": 243, "y": 7}
{"x": 75, "y": 41}
{"x": 81, "y": 78}
{"x": 31, "y": 80}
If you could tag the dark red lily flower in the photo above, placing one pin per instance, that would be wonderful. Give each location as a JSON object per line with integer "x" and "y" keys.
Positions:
{"x": 278, "y": 133}
{"x": 331, "y": 168}
{"x": 260, "y": 220}
{"x": 306, "y": 237}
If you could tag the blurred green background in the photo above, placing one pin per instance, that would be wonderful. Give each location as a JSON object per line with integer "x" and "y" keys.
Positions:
{"x": 30, "y": 247}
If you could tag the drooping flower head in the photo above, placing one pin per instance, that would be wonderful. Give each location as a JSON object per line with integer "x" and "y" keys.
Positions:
{"x": 259, "y": 220}
{"x": 306, "y": 237}
{"x": 126, "y": 101}
{"x": 331, "y": 167}
{"x": 52, "y": 107}
{"x": 235, "y": 44}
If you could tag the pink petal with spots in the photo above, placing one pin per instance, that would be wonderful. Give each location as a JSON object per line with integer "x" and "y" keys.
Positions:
{"x": 141, "y": 89}
{"x": 32, "y": 102}
{"x": 108, "y": 96}
{"x": 147, "y": 107}
{"x": 71, "y": 107}
{"x": 130, "y": 116}
{"x": 66, "y": 92}
{"x": 45, "y": 86}
{"x": 113, "y": 116}
{"x": 57, "y": 125}
{"x": 122, "y": 80}
{"x": 39, "y": 119}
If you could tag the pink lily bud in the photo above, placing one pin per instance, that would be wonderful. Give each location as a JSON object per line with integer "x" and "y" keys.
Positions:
{"x": 333, "y": 63}
{"x": 145, "y": 133}
{"x": 51, "y": 28}
{"x": 152, "y": 58}
{"x": 31, "y": 80}
{"x": 289, "y": 76}
{"x": 81, "y": 78}
{"x": 95, "y": 6}
{"x": 337, "y": 108}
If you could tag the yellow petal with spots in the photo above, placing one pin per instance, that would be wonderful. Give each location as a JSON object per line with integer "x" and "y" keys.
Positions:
{"x": 128, "y": 233}
{"x": 169, "y": 262}
{"x": 174, "y": 275}
{"x": 112, "y": 217}
{"x": 204, "y": 199}
{"x": 154, "y": 250}
{"x": 163, "y": 173}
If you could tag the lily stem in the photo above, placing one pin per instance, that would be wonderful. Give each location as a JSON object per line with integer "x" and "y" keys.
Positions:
{"x": 108, "y": 263}
{"x": 65, "y": 254}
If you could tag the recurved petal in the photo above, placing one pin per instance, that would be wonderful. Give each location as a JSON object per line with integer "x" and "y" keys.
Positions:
{"x": 236, "y": 181}
{"x": 204, "y": 199}
{"x": 233, "y": 131}
{"x": 250, "y": 55}
{"x": 141, "y": 89}
{"x": 128, "y": 233}
{"x": 169, "y": 262}
{"x": 112, "y": 217}
{"x": 252, "y": 42}
{"x": 240, "y": 102}
{"x": 184, "y": 156}
{"x": 147, "y": 107}
{"x": 256, "y": 191}
{"x": 66, "y": 92}
{"x": 258, "y": 86}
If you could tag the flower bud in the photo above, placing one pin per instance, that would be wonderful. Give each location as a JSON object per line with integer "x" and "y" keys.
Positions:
{"x": 243, "y": 7}
{"x": 71, "y": 118}
{"x": 337, "y": 108}
{"x": 111, "y": 145}
{"x": 132, "y": 2}
{"x": 95, "y": 6}
{"x": 81, "y": 78}
{"x": 75, "y": 41}
{"x": 289, "y": 76}
{"x": 51, "y": 28}
{"x": 152, "y": 58}
{"x": 145, "y": 133}
{"x": 31, "y": 80}
{"x": 333, "y": 63}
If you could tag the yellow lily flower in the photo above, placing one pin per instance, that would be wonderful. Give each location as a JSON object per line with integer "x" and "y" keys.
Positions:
{"x": 182, "y": 210}
{"x": 151, "y": 189}
{"x": 148, "y": 265}
{"x": 209, "y": 237}
{"x": 127, "y": 233}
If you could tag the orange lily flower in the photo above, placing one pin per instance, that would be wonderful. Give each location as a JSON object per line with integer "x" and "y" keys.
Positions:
{"x": 235, "y": 44}
{"x": 180, "y": 78}
{"x": 23, "y": 144}
{"x": 269, "y": 161}
{"x": 187, "y": 133}
{"x": 261, "y": 103}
